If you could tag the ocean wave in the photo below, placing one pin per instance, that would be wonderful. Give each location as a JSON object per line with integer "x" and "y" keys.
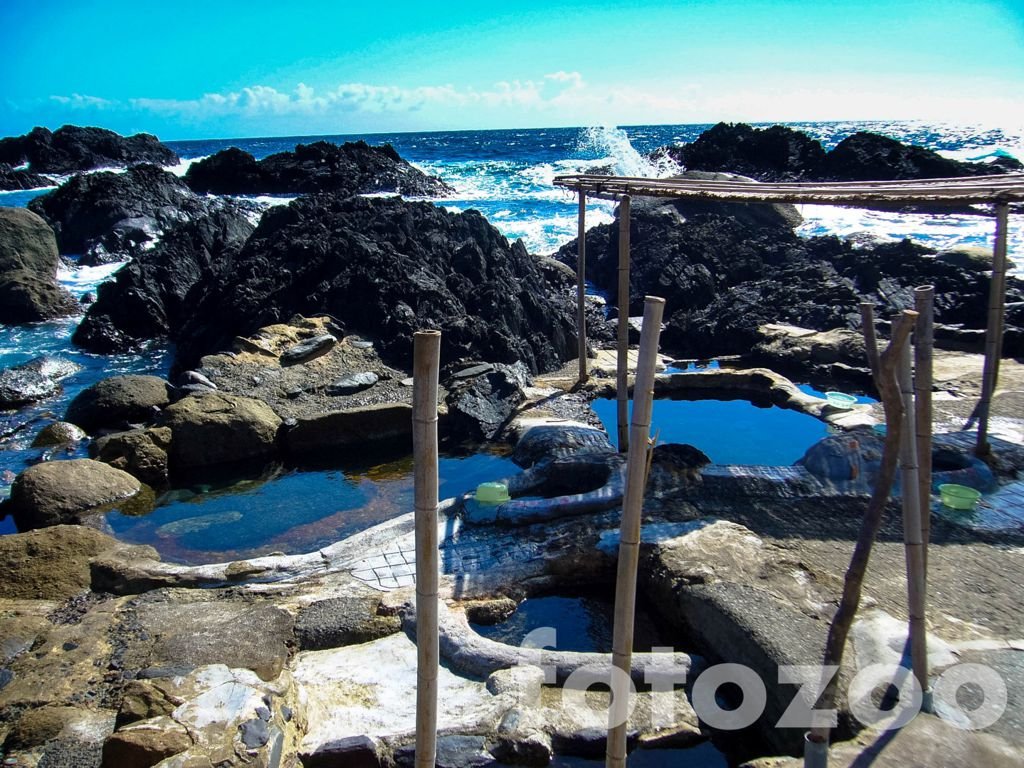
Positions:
{"x": 81, "y": 280}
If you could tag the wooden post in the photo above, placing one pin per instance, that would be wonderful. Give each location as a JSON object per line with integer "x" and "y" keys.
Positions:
{"x": 426, "y": 357}
{"x": 581, "y": 287}
{"x": 994, "y": 330}
{"x": 924, "y": 342}
{"x": 892, "y": 402}
{"x": 867, "y": 318}
{"x": 912, "y": 544}
{"x": 629, "y": 531}
{"x": 622, "y": 359}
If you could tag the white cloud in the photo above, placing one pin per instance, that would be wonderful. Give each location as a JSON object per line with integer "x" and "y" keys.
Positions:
{"x": 78, "y": 101}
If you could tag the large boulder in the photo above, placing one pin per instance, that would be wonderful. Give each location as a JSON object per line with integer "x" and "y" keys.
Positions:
{"x": 110, "y": 217}
{"x": 217, "y": 428}
{"x": 151, "y": 297}
{"x": 385, "y": 268}
{"x": 352, "y": 168}
{"x": 57, "y": 492}
{"x": 50, "y": 563}
{"x": 35, "y": 380}
{"x": 118, "y": 401}
{"x": 868, "y": 156}
{"x": 28, "y": 270}
{"x": 16, "y": 178}
{"x": 72, "y": 148}
{"x": 139, "y": 452}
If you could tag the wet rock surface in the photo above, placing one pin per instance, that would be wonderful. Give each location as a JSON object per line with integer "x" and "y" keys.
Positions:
{"x": 28, "y": 270}
{"x": 351, "y": 168}
{"x": 12, "y": 179}
{"x": 74, "y": 148}
{"x": 35, "y": 380}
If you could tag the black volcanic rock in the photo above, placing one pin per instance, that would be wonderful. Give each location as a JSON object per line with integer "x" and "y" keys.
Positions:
{"x": 722, "y": 278}
{"x": 870, "y": 157}
{"x": 385, "y": 268}
{"x": 151, "y": 296}
{"x": 114, "y": 216}
{"x": 352, "y": 168}
{"x": 28, "y": 270}
{"x": 11, "y": 179}
{"x": 770, "y": 154}
{"x": 72, "y": 148}
{"x": 783, "y": 154}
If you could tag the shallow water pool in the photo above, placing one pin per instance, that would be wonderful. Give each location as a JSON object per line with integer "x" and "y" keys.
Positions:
{"x": 291, "y": 511}
{"x": 728, "y": 431}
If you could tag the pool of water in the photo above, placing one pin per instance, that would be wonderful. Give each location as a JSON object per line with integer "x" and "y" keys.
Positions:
{"x": 291, "y": 511}
{"x": 728, "y": 431}
{"x": 702, "y": 756}
{"x": 810, "y": 390}
{"x": 581, "y": 623}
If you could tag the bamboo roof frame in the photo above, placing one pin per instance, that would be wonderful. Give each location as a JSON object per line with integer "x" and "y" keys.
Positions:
{"x": 998, "y": 190}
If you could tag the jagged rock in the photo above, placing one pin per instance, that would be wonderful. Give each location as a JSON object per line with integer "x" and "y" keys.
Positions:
{"x": 28, "y": 270}
{"x": 352, "y": 168}
{"x": 50, "y": 563}
{"x": 37, "y": 379}
{"x": 308, "y": 350}
{"x": 110, "y": 217}
{"x": 386, "y": 268}
{"x": 868, "y": 156}
{"x": 343, "y": 429}
{"x": 12, "y": 179}
{"x": 141, "y": 453}
{"x": 479, "y": 406}
{"x": 151, "y": 297}
{"x": 58, "y": 433}
{"x": 340, "y": 621}
{"x": 73, "y": 148}
{"x": 217, "y": 428}
{"x": 356, "y": 382}
{"x": 56, "y": 492}
{"x": 118, "y": 401}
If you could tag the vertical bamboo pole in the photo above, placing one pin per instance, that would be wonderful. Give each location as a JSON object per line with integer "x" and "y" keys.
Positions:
{"x": 838, "y": 631}
{"x": 924, "y": 342}
{"x": 581, "y": 287}
{"x": 994, "y": 330}
{"x": 426, "y": 355}
{"x": 629, "y": 532}
{"x": 622, "y": 359}
{"x": 912, "y": 524}
{"x": 867, "y": 317}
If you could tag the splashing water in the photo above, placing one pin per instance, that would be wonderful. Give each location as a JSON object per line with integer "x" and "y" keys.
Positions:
{"x": 612, "y": 145}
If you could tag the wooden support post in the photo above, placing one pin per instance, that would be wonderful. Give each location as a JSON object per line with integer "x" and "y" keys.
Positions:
{"x": 867, "y": 318}
{"x": 994, "y": 330}
{"x": 924, "y": 342}
{"x": 622, "y": 358}
{"x": 912, "y": 544}
{"x": 581, "y": 287}
{"x": 426, "y": 357}
{"x": 629, "y": 532}
{"x": 889, "y": 391}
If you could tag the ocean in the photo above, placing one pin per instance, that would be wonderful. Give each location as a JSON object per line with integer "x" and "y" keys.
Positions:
{"x": 507, "y": 175}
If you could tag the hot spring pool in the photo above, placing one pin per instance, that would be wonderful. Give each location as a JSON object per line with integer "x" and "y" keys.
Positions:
{"x": 728, "y": 431}
{"x": 291, "y": 511}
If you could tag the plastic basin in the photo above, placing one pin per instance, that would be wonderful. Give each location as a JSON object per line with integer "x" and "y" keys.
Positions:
{"x": 840, "y": 400}
{"x": 492, "y": 493}
{"x": 958, "y": 496}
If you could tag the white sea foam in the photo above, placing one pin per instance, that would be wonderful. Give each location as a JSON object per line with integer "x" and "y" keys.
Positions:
{"x": 81, "y": 279}
{"x": 183, "y": 165}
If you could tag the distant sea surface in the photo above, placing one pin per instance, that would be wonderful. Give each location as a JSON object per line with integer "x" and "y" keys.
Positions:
{"x": 507, "y": 175}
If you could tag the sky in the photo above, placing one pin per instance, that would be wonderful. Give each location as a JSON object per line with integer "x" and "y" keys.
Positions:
{"x": 187, "y": 69}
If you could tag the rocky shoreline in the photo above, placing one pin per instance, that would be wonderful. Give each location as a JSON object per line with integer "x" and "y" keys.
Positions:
{"x": 293, "y": 333}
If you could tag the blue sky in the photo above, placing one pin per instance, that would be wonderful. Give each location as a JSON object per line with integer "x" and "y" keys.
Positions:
{"x": 232, "y": 69}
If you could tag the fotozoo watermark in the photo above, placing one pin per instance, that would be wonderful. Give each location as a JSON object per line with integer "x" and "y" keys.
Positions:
{"x": 985, "y": 688}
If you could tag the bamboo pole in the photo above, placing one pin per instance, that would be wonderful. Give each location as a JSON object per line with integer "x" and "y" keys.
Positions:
{"x": 889, "y": 392}
{"x": 629, "y": 532}
{"x": 994, "y": 330}
{"x": 924, "y": 342}
{"x": 622, "y": 359}
{"x": 581, "y": 287}
{"x": 426, "y": 357}
{"x": 912, "y": 543}
{"x": 867, "y": 317}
